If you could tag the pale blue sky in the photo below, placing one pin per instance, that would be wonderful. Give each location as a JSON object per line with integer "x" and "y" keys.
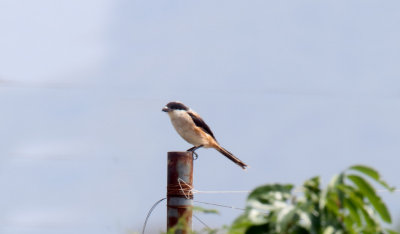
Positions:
{"x": 293, "y": 88}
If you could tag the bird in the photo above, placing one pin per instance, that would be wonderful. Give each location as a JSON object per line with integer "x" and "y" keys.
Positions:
{"x": 192, "y": 128}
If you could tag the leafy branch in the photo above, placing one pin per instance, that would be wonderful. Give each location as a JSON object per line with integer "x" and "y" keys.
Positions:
{"x": 348, "y": 204}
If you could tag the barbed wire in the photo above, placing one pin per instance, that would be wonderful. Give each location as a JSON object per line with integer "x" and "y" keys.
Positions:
{"x": 192, "y": 190}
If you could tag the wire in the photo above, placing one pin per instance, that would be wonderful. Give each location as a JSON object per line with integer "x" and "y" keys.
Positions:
{"x": 222, "y": 191}
{"x": 192, "y": 190}
{"x": 220, "y": 205}
{"x": 202, "y": 222}
{"x": 149, "y": 213}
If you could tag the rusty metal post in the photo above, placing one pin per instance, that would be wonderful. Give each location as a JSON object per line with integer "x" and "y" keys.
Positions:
{"x": 179, "y": 196}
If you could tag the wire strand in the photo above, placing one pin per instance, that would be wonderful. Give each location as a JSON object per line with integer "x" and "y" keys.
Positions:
{"x": 202, "y": 222}
{"x": 191, "y": 190}
{"x": 149, "y": 213}
{"x": 220, "y": 205}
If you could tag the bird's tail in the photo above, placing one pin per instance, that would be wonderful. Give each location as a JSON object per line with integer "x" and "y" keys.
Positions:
{"x": 229, "y": 155}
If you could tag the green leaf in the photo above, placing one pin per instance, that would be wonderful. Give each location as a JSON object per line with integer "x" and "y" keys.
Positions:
{"x": 326, "y": 193}
{"x": 372, "y": 225}
{"x": 349, "y": 224}
{"x": 391, "y": 231}
{"x": 240, "y": 225}
{"x": 285, "y": 217}
{"x": 336, "y": 180}
{"x": 368, "y": 191}
{"x": 206, "y": 211}
{"x": 305, "y": 219}
{"x": 353, "y": 194}
{"x": 311, "y": 189}
{"x": 329, "y": 230}
{"x": 312, "y": 184}
{"x": 257, "y": 217}
{"x": 374, "y": 174}
{"x": 353, "y": 211}
{"x": 367, "y": 217}
{"x": 269, "y": 193}
{"x": 332, "y": 206}
{"x": 257, "y": 229}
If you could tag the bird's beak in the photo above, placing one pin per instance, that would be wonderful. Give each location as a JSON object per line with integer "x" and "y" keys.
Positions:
{"x": 165, "y": 109}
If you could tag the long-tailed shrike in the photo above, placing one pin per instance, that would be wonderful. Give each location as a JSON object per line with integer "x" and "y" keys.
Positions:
{"x": 194, "y": 130}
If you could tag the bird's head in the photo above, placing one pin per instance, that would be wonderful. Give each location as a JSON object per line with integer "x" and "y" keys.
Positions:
{"x": 174, "y": 106}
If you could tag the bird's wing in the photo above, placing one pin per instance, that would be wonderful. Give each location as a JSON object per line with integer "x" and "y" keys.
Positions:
{"x": 200, "y": 123}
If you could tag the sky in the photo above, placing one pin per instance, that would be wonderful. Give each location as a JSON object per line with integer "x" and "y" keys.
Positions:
{"x": 293, "y": 88}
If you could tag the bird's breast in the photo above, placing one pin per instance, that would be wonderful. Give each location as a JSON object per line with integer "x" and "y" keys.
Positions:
{"x": 186, "y": 128}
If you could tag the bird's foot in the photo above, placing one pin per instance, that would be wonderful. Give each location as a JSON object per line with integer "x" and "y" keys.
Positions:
{"x": 193, "y": 150}
{"x": 195, "y": 155}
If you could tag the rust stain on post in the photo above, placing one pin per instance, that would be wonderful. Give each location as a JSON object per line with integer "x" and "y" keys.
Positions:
{"x": 179, "y": 196}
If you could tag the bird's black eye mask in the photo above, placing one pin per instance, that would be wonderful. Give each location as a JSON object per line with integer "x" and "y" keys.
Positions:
{"x": 177, "y": 106}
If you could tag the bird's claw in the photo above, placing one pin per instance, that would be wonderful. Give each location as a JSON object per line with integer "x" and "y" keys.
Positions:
{"x": 193, "y": 149}
{"x": 194, "y": 155}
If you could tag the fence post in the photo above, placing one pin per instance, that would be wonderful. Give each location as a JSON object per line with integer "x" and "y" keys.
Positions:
{"x": 179, "y": 196}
